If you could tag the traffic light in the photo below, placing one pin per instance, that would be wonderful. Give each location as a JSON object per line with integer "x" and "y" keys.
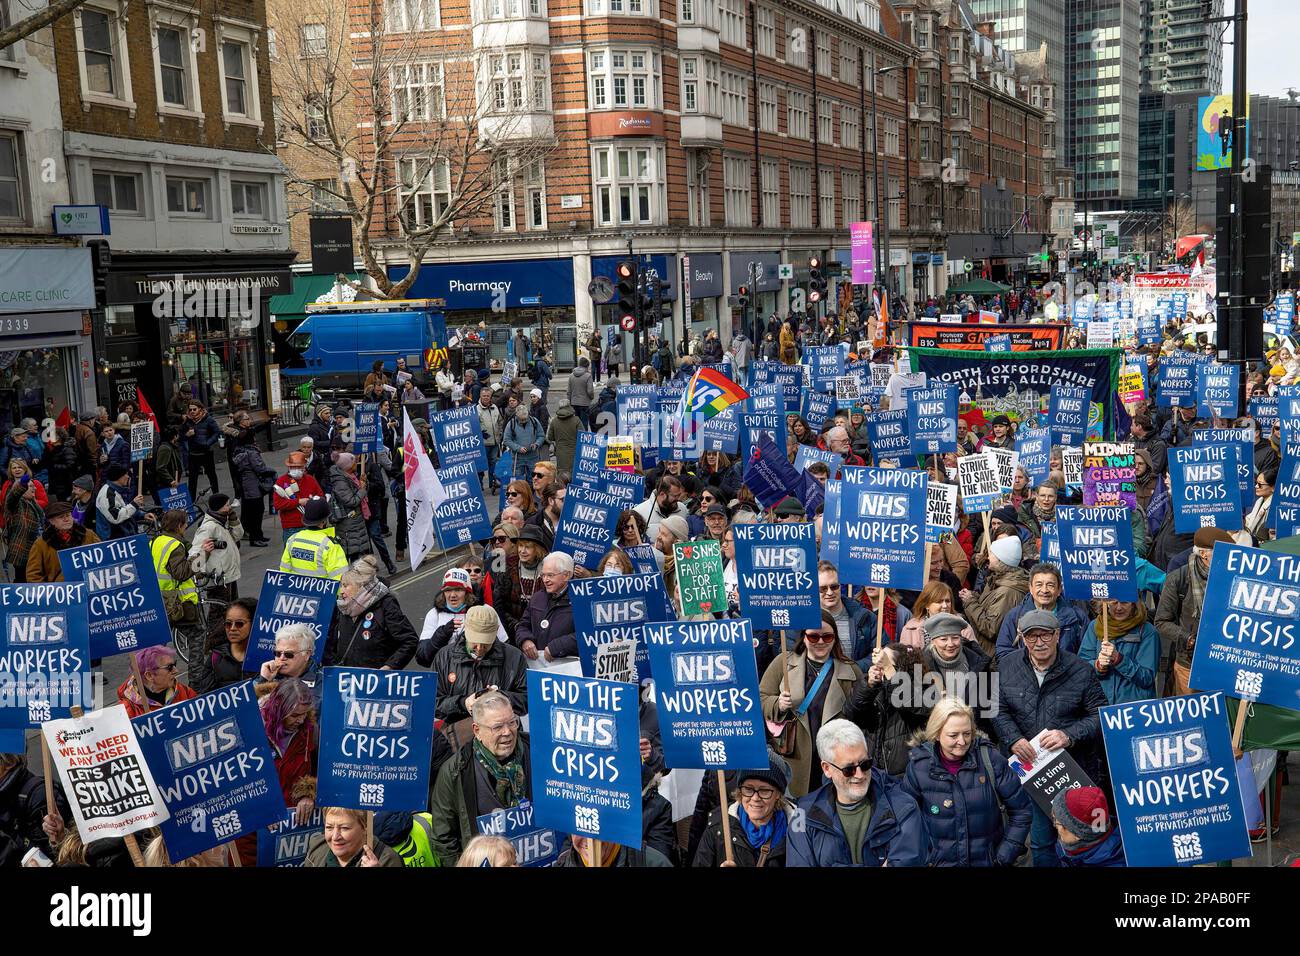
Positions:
{"x": 816, "y": 279}
{"x": 101, "y": 260}
{"x": 627, "y": 291}
{"x": 662, "y": 310}
{"x": 742, "y": 297}
{"x": 646, "y": 298}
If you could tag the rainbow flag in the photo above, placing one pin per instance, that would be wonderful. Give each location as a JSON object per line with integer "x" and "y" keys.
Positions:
{"x": 708, "y": 393}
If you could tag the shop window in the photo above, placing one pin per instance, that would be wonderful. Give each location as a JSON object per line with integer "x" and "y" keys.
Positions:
{"x": 218, "y": 357}
{"x": 34, "y": 384}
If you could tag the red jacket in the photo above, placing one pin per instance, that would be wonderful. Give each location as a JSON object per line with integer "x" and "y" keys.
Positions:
{"x": 129, "y": 697}
{"x": 290, "y": 516}
{"x": 42, "y": 498}
{"x": 298, "y": 761}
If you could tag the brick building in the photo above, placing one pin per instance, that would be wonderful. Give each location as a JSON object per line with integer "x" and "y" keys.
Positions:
{"x": 167, "y": 119}
{"x": 723, "y": 132}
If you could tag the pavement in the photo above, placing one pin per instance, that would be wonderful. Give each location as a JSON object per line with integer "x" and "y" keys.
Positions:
{"x": 416, "y": 591}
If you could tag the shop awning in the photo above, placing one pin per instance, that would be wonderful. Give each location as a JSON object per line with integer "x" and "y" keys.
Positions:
{"x": 306, "y": 289}
{"x": 974, "y": 287}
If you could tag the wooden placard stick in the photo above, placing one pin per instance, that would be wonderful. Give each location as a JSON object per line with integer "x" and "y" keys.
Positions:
{"x": 880, "y": 617}
{"x": 726, "y": 815}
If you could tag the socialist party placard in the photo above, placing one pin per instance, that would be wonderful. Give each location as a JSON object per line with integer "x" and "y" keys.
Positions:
{"x": 1097, "y": 555}
{"x": 706, "y": 691}
{"x": 1246, "y": 644}
{"x": 932, "y": 418}
{"x": 1175, "y": 781}
{"x": 613, "y": 608}
{"x": 586, "y": 526}
{"x": 104, "y": 774}
{"x": 1067, "y": 414}
{"x": 882, "y": 529}
{"x": 458, "y": 437}
{"x": 940, "y": 510}
{"x": 776, "y": 567}
{"x": 290, "y": 599}
{"x": 980, "y": 482}
{"x": 463, "y": 516}
{"x": 376, "y": 737}
{"x": 44, "y": 653}
{"x": 1203, "y": 487}
{"x": 585, "y": 738}
{"x": 124, "y": 602}
{"x": 214, "y": 768}
{"x": 285, "y": 843}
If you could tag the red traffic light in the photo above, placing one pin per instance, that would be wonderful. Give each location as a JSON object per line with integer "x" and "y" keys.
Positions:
{"x": 814, "y": 296}
{"x": 626, "y": 269}
{"x": 814, "y": 262}
{"x": 743, "y": 290}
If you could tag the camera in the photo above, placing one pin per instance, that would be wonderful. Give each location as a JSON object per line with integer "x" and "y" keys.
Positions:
{"x": 220, "y": 545}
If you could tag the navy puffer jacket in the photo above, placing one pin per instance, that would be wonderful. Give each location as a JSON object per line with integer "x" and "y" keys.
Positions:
{"x": 962, "y": 814}
{"x": 895, "y": 835}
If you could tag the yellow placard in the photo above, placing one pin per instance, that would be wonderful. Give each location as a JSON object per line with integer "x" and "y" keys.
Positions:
{"x": 620, "y": 454}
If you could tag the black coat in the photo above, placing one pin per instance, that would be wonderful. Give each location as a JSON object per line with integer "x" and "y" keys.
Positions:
{"x": 548, "y": 622}
{"x": 22, "y": 808}
{"x": 61, "y": 460}
{"x": 888, "y": 727}
{"x": 216, "y": 669}
{"x": 1069, "y": 701}
{"x": 392, "y": 640}
{"x": 460, "y": 675}
{"x": 711, "y": 851}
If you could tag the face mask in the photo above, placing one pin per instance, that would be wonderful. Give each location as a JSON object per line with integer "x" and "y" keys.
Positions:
{"x": 295, "y": 472}
{"x": 612, "y": 571}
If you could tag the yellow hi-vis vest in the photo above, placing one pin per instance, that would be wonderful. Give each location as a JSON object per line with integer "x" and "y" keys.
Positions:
{"x": 315, "y": 552}
{"x": 162, "y": 549}
{"x": 417, "y": 848}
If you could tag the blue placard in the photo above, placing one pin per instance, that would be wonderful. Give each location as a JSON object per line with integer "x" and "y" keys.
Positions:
{"x": 1050, "y": 547}
{"x": 1097, "y": 555}
{"x": 177, "y": 499}
{"x": 790, "y": 378}
{"x": 1176, "y": 378}
{"x": 816, "y": 408}
{"x": 807, "y": 454}
{"x": 722, "y": 431}
{"x": 214, "y": 767}
{"x": 367, "y": 438}
{"x": 1067, "y": 414}
{"x": 769, "y": 474}
{"x": 285, "y": 843}
{"x": 888, "y": 436}
{"x": 706, "y": 691}
{"x": 123, "y": 600}
{"x": 586, "y": 526}
{"x": 589, "y": 459}
{"x": 1148, "y": 329}
{"x": 586, "y": 756}
{"x": 1243, "y": 439}
{"x": 674, "y": 446}
{"x": 753, "y": 427}
{"x": 1288, "y": 412}
{"x": 1248, "y": 642}
{"x": 997, "y": 343}
{"x": 825, "y": 364}
{"x": 1216, "y": 389}
{"x": 638, "y": 407}
{"x": 535, "y": 846}
{"x": 1203, "y": 488}
{"x": 376, "y": 738}
{"x": 44, "y": 653}
{"x": 1034, "y": 445}
{"x": 642, "y": 557}
{"x": 830, "y": 544}
{"x": 458, "y": 437}
{"x": 1264, "y": 410}
{"x": 290, "y": 599}
{"x": 769, "y": 397}
{"x": 1175, "y": 781}
{"x": 1284, "y": 314}
{"x": 1178, "y": 305}
{"x": 628, "y": 487}
{"x": 1284, "y": 512}
{"x": 776, "y": 568}
{"x": 613, "y": 609}
{"x": 882, "y": 529}
{"x": 932, "y": 418}
{"x": 463, "y": 517}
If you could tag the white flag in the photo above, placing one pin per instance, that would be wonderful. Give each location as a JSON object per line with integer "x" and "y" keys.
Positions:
{"x": 424, "y": 493}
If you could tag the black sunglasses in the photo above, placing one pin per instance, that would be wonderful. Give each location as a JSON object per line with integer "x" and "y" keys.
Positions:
{"x": 851, "y": 770}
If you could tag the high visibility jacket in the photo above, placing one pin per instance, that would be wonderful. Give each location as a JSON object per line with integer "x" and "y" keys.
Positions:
{"x": 314, "y": 551}
{"x": 162, "y": 549}
{"x": 417, "y": 849}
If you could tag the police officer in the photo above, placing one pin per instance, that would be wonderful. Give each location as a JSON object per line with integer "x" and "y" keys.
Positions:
{"x": 314, "y": 550}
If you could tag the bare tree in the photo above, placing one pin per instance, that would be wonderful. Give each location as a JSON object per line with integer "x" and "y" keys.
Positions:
{"x": 419, "y": 135}
{"x": 42, "y": 18}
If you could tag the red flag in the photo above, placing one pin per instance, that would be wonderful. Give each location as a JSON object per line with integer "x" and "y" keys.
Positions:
{"x": 65, "y": 418}
{"x": 145, "y": 409}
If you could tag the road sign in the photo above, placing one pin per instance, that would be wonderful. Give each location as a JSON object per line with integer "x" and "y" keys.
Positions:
{"x": 785, "y": 271}
{"x": 601, "y": 290}
{"x": 530, "y": 299}
{"x": 628, "y": 322}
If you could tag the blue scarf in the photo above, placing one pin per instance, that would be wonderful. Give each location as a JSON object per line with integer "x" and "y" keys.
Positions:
{"x": 773, "y": 831}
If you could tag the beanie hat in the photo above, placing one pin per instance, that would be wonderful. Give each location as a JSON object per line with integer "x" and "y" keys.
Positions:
{"x": 457, "y": 578}
{"x": 677, "y": 527}
{"x": 937, "y": 625}
{"x": 481, "y": 623}
{"x": 218, "y": 501}
{"x": 315, "y": 510}
{"x": 789, "y": 507}
{"x": 1006, "y": 514}
{"x": 345, "y": 460}
{"x": 1007, "y": 549}
{"x": 1083, "y": 811}
{"x": 771, "y": 774}
{"x": 115, "y": 472}
{"x": 1205, "y": 537}
{"x": 85, "y": 483}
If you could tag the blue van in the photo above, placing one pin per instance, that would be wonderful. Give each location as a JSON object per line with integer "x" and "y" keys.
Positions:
{"x": 337, "y": 348}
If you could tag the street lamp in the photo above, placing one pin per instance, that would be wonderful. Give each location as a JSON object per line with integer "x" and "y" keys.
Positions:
{"x": 883, "y": 214}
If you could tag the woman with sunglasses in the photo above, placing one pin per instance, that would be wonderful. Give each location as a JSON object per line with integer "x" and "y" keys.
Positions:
{"x": 158, "y": 668}
{"x": 223, "y": 662}
{"x": 807, "y": 687}
{"x": 716, "y": 472}
{"x": 1257, "y": 520}
{"x": 520, "y": 495}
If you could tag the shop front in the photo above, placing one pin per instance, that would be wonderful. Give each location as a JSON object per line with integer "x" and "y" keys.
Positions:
{"x": 761, "y": 272}
{"x": 702, "y": 281}
{"x": 500, "y": 296}
{"x": 169, "y": 322}
{"x": 46, "y": 353}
